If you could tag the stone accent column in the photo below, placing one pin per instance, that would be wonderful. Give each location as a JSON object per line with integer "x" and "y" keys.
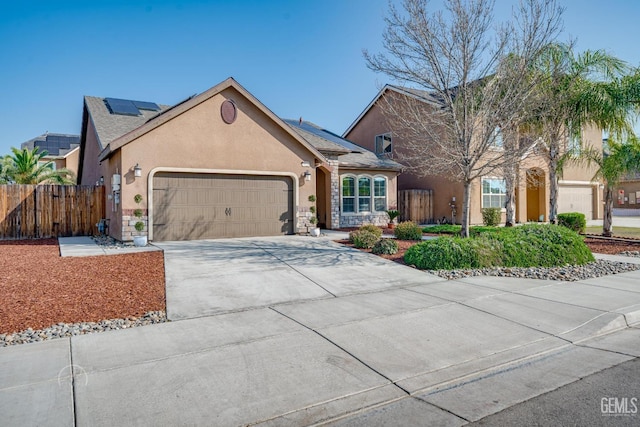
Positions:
{"x": 335, "y": 194}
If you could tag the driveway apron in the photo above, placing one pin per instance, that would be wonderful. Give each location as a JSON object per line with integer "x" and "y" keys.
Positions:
{"x": 209, "y": 277}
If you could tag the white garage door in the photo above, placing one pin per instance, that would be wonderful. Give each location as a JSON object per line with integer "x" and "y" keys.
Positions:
{"x": 576, "y": 199}
{"x": 190, "y": 206}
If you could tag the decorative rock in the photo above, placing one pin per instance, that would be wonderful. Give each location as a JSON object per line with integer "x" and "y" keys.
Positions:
{"x": 61, "y": 330}
{"x": 567, "y": 273}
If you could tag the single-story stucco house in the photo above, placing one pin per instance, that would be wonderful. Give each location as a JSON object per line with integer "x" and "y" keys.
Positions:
{"x": 221, "y": 164}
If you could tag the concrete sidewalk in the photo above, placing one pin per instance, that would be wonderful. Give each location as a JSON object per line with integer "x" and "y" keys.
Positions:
{"x": 86, "y": 246}
{"x": 390, "y": 351}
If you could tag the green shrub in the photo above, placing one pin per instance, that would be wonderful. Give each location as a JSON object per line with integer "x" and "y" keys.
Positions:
{"x": 137, "y": 213}
{"x": 532, "y": 245}
{"x": 476, "y": 230}
{"x": 491, "y": 216}
{"x": 139, "y": 226}
{"x": 575, "y": 221}
{"x": 408, "y": 230}
{"x": 385, "y": 247}
{"x": 443, "y": 229}
{"x": 372, "y": 229}
{"x": 443, "y": 253}
{"x": 363, "y": 239}
{"x": 543, "y": 245}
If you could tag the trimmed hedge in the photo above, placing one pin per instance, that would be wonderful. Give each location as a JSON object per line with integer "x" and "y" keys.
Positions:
{"x": 408, "y": 230}
{"x": 442, "y": 229}
{"x": 575, "y": 221}
{"x": 530, "y": 245}
{"x": 366, "y": 236}
{"x": 385, "y": 247}
{"x": 363, "y": 239}
{"x": 491, "y": 216}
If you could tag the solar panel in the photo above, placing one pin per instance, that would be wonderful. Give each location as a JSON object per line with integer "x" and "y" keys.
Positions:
{"x": 122, "y": 106}
{"x": 152, "y": 106}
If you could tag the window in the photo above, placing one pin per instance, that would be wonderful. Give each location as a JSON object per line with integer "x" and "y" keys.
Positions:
{"x": 362, "y": 194}
{"x": 380, "y": 194}
{"x": 574, "y": 144}
{"x": 348, "y": 194}
{"x": 496, "y": 138}
{"x": 383, "y": 144}
{"x": 494, "y": 193}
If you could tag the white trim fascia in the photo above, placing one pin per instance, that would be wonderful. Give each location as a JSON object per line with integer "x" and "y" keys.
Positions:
{"x": 155, "y": 170}
{"x": 583, "y": 183}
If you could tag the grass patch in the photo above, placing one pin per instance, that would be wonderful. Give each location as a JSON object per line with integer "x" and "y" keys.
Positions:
{"x": 631, "y": 232}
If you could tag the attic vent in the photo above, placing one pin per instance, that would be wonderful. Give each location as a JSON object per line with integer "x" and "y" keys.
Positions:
{"x": 127, "y": 107}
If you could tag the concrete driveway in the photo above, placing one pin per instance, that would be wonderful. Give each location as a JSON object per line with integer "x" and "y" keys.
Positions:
{"x": 363, "y": 342}
{"x": 207, "y": 277}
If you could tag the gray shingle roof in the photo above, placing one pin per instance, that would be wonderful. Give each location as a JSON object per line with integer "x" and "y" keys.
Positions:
{"x": 112, "y": 126}
{"x": 349, "y": 154}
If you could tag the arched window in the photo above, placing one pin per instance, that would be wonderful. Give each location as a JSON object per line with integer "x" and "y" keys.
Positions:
{"x": 348, "y": 194}
{"x": 364, "y": 194}
{"x": 380, "y": 193}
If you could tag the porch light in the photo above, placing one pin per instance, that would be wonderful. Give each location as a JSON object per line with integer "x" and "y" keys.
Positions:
{"x": 307, "y": 176}
{"x": 137, "y": 171}
{"x": 305, "y": 164}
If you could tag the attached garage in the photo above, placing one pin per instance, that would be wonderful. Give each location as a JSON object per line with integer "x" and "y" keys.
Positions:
{"x": 574, "y": 198}
{"x": 188, "y": 206}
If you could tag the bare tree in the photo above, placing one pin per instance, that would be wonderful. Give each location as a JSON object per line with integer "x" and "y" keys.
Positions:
{"x": 469, "y": 76}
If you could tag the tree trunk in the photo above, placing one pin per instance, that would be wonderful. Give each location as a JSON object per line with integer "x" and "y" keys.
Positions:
{"x": 510, "y": 183}
{"x": 607, "y": 222}
{"x": 466, "y": 203}
{"x": 553, "y": 185}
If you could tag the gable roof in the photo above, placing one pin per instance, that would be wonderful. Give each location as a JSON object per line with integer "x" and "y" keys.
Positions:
{"x": 116, "y": 131}
{"x": 348, "y": 153}
{"x": 420, "y": 95}
{"x": 57, "y": 145}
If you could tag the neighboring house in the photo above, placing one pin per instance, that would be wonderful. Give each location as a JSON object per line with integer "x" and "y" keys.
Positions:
{"x": 577, "y": 193}
{"x": 221, "y": 164}
{"x": 626, "y": 200}
{"x": 62, "y": 150}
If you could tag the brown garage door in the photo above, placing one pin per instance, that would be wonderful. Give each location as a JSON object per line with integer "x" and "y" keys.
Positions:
{"x": 189, "y": 206}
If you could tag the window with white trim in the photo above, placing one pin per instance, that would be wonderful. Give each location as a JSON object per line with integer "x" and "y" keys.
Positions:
{"x": 383, "y": 144}
{"x": 494, "y": 193}
{"x": 496, "y": 138}
{"x": 363, "y": 194}
{"x": 348, "y": 194}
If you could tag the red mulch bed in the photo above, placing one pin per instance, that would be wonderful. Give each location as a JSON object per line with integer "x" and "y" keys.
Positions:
{"x": 596, "y": 245}
{"x": 39, "y": 288}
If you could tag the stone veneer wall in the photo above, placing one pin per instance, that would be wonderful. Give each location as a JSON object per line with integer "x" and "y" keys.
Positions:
{"x": 129, "y": 222}
{"x": 356, "y": 220}
{"x": 335, "y": 194}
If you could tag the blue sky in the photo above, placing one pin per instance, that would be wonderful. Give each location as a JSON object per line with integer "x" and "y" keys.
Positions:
{"x": 300, "y": 58}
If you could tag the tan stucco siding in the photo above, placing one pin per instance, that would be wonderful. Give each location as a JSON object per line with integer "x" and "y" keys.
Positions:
{"x": 91, "y": 168}
{"x": 199, "y": 139}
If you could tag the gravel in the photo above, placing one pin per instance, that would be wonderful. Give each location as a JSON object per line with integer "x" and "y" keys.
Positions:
{"x": 634, "y": 254}
{"x": 569, "y": 273}
{"x": 62, "y": 330}
{"x": 111, "y": 243}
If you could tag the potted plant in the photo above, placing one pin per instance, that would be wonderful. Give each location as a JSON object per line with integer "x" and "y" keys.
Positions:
{"x": 314, "y": 231}
{"x": 392, "y": 214}
{"x": 140, "y": 240}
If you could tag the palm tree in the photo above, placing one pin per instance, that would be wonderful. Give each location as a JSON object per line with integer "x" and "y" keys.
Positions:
{"x": 27, "y": 167}
{"x": 588, "y": 88}
{"x": 620, "y": 160}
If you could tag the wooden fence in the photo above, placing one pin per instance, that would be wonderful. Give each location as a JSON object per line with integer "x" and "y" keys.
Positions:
{"x": 416, "y": 205}
{"x": 40, "y": 211}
